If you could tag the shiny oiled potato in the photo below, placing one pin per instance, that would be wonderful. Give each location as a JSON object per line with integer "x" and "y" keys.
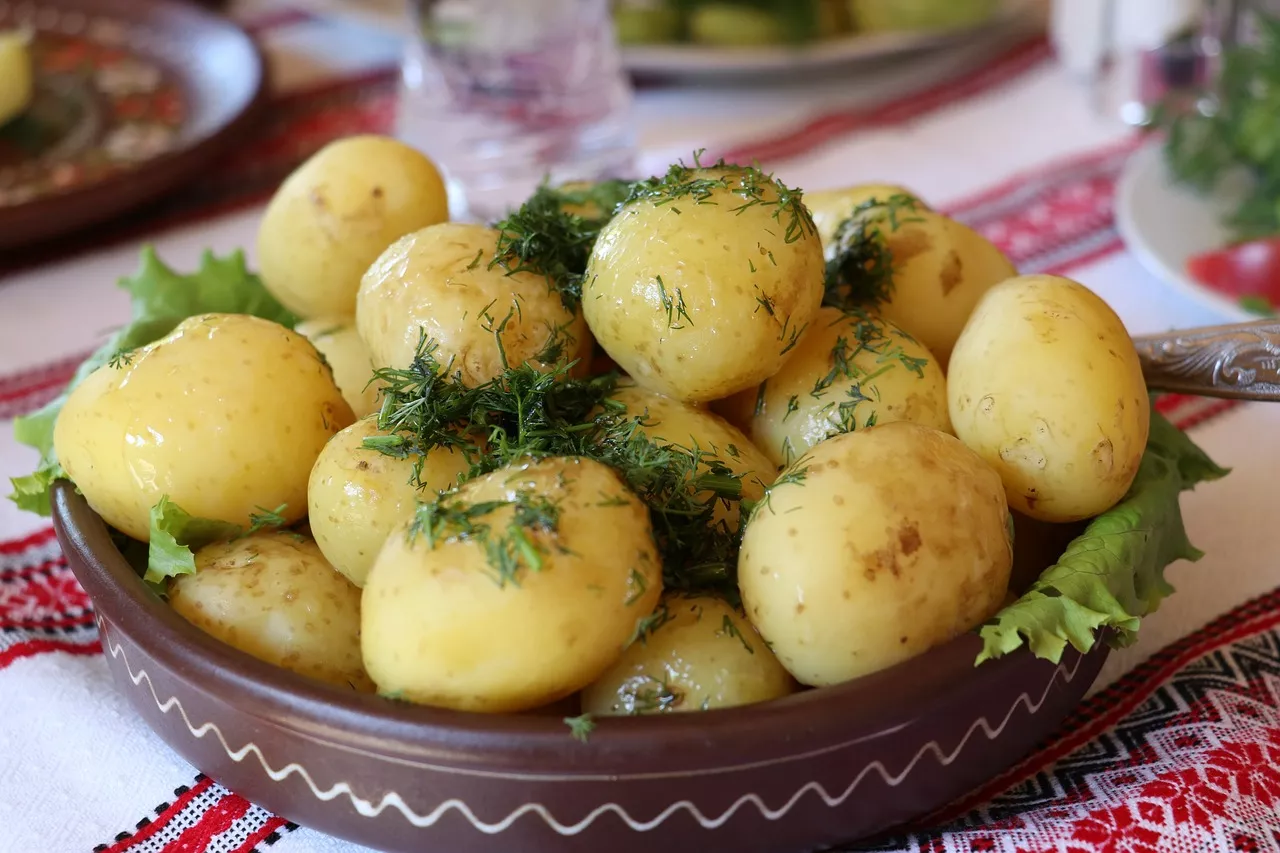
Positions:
{"x": 669, "y": 421}
{"x": 273, "y": 596}
{"x": 699, "y": 294}
{"x": 340, "y": 344}
{"x": 336, "y": 213}
{"x": 444, "y": 625}
{"x": 16, "y": 74}
{"x": 874, "y": 547}
{"x": 851, "y": 370}
{"x": 225, "y": 415}
{"x": 438, "y": 282}
{"x": 832, "y": 207}
{"x": 358, "y": 495}
{"x": 703, "y": 654}
{"x": 1045, "y": 385}
{"x": 941, "y": 269}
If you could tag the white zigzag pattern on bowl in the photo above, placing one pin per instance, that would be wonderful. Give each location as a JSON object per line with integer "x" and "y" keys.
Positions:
{"x": 393, "y": 799}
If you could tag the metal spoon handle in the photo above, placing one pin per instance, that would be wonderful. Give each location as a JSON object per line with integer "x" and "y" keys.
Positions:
{"x": 1240, "y": 361}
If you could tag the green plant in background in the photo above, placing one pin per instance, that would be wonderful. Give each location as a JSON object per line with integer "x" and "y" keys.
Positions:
{"x": 1237, "y": 128}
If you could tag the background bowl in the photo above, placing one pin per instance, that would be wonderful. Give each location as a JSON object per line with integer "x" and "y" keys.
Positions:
{"x": 817, "y": 768}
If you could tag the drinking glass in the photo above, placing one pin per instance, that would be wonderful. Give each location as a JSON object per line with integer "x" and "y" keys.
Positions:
{"x": 503, "y": 94}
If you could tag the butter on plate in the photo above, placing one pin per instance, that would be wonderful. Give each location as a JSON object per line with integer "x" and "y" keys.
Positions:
{"x": 16, "y": 75}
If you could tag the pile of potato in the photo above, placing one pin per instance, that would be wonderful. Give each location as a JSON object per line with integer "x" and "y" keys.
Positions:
{"x": 879, "y": 447}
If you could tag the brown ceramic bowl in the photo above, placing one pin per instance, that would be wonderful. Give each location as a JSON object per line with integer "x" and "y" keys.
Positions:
{"x": 817, "y": 768}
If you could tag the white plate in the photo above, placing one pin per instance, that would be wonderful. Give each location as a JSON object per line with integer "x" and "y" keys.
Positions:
{"x": 1164, "y": 224}
{"x": 691, "y": 60}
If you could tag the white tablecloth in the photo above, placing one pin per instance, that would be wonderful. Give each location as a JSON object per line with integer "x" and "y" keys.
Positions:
{"x": 67, "y": 721}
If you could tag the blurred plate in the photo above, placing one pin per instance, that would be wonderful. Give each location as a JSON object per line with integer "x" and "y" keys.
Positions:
{"x": 1164, "y": 224}
{"x": 133, "y": 97}
{"x": 694, "y": 60}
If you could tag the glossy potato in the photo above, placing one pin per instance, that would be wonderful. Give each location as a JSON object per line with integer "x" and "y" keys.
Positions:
{"x": 669, "y": 421}
{"x": 348, "y": 357}
{"x": 336, "y": 213}
{"x": 273, "y": 596}
{"x": 704, "y": 654}
{"x": 700, "y": 295}
{"x": 875, "y": 547}
{"x": 226, "y": 414}
{"x": 438, "y": 282}
{"x": 832, "y": 207}
{"x": 1046, "y": 386}
{"x": 443, "y": 626}
{"x": 356, "y": 496}
{"x": 941, "y": 269}
{"x": 850, "y": 371}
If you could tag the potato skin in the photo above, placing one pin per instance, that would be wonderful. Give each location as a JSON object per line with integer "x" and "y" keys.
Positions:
{"x": 336, "y": 213}
{"x": 832, "y": 207}
{"x": 348, "y": 357}
{"x": 273, "y": 596}
{"x": 895, "y": 540}
{"x": 440, "y": 630}
{"x": 1046, "y": 386}
{"x": 357, "y": 496}
{"x": 941, "y": 269}
{"x": 224, "y": 415}
{"x": 889, "y": 377}
{"x": 669, "y": 421}
{"x": 700, "y": 300}
{"x": 438, "y": 281}
{"x": 706, "y": 656}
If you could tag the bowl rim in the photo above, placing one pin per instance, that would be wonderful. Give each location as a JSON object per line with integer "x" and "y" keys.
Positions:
{"x": 791, "y": 729}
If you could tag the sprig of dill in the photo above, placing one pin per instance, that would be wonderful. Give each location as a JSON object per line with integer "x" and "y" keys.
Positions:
{"x": 699, "y": 184}
{"x": 524, "y": 413}
{"x": 545, "y": 238}
{"x": 508, "y": 550}
{"x": 859, "y": 269}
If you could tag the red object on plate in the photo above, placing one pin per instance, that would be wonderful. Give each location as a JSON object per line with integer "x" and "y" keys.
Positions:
{"x": 1249, "y": 269}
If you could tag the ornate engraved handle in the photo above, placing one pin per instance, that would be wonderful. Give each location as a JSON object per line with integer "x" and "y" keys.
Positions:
{"x": 1240, "y": 361}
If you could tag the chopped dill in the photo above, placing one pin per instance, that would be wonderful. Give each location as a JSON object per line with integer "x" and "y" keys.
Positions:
{"x": 508, "y": 551}
{"x": 793, "y": 406}
{"x": 729, "y": 629}
{"x": 859, "y": 269}
{"x": 651, "y": 695}
{"x": 675, "y": 307}
{"x": 580, "y": 727}
{"x": 701, "y": 184}
{"x": 121, "y": 360}
{"x": 266, "y": 519}
{"x": 640, "y": 584}
{"x": 647, "y": 625}
{"x": 526, "y": 413}
{"x": 546, "y": 237}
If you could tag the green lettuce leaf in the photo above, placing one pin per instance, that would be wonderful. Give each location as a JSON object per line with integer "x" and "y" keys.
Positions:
{"x": 175, "y": 536}
{"x": 161, "y": 299}
{"x": 1113, "y": 574}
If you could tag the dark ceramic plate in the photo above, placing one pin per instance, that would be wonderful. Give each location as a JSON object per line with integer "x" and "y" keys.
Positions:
{"x": 132, "y": 97}
{"x": 816, "y": 768}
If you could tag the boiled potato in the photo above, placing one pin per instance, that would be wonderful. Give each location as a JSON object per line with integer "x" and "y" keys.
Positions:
{"x": 646, "y": 23}
{"x": 1046, "y": 386}
{"x": 940, "y": 270}
{"x": 225, "y": 415}
{"x": 703, "y": 654}
{"x": 832, "y": 207}
{"x": 443, "y": 625}
{"x": 273, "y": 596}
{"x": 851, "y": 370}
{"x": 733, "y": 25}
{"x": 336, "y": 213}
{"x": 668, "y": 421}
{"x": 699, "y": 293}
{"x": 357, "y": 495}
{"x": 874, "y": 547}
{"x": 437, "y": 282}
{"x": 898, "y": 15}
{"x": 16, "y": 76}
{"x": 340, "y": 344}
